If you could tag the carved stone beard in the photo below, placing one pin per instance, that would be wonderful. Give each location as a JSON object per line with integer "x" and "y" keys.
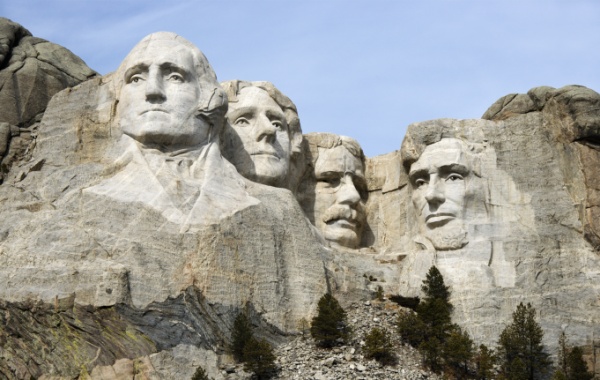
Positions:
{"x": 449, "y": 237}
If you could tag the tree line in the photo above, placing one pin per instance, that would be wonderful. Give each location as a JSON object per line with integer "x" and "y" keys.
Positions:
{"x": 444, "y": 346}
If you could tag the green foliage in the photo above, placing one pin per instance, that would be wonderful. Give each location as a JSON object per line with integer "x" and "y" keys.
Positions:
{"x": 329, "y": 325}
{"x": 200, "y": 374}
{"x": 411, "y": 328}
{"x": 241, "y": 335}
{"x": 458, "y": 352}
{"x": 431, "y": 330}
{"x": 379, "y": 293}
{"x": 434, "y": 286}
{"x": 522, "y": 354}
{"x": 559, "y": 375}
{"x": 379, "y": 347}
{"x": 259, "y": 358}
{"x": 563, "y": 352}
{"x": 485, "y": 360}
{"x": 432, "y": 350}
{"x": 576, "y": 367}
{"x": 435, "y": 310}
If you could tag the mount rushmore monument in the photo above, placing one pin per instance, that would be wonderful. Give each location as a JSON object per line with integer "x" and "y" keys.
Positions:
{"x": 146, "y": 208}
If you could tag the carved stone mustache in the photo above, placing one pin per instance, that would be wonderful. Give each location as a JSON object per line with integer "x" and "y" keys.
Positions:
{"x": 341, "y": 212}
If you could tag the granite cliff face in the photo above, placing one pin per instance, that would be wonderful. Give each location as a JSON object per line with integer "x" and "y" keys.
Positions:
{"x": 128, "y": 244}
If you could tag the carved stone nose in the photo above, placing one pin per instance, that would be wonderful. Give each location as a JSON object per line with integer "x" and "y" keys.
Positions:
{"x": 348, "y": 194}
{"x": 155, "y": 88}
{"x": 435, "y": 192}
{"x": 265, "y": 130}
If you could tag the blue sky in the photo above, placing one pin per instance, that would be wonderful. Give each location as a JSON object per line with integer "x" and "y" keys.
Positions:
{"x": 365, "y": 69}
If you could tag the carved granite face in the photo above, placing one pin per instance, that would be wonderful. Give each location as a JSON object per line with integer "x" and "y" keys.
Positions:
{"x": 439, "y": 181}
{"x": 259, "y": 126}
{"x": 339, "y": 196}
{"x": 159, "y": 100}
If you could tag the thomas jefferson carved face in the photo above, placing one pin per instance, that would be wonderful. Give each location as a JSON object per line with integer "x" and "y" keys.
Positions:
{"x": 259, "y": 128}
{"x": 160, "y": 97}
{"x": 339, "y": 196}
{"x": 439, "y": 179}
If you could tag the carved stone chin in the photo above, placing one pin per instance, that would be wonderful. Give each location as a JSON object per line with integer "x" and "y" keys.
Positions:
{"x": 448, "y": 238}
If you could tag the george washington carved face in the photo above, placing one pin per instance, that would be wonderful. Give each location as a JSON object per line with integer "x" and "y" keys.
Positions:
{"x": 165, "y": 92}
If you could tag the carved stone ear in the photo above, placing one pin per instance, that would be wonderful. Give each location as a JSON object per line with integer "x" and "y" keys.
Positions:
{"x": 213, "y": 107}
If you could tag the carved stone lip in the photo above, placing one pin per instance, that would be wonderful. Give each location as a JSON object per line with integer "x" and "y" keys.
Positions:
{"x": 344, "y": 223}
{"x": 154, "y": 110}
{"x": 439, "y": 219}
{"x": 272, "y": 154}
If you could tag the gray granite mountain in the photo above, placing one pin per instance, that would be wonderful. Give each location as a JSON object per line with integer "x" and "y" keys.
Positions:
{"x": 129, "y": 244}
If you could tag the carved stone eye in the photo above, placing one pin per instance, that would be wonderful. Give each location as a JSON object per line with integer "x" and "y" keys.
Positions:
{"x": 242, "y": 122}
{"x": 454, "y": 177}
{"x": 420, "y": 182}
{"x": 330, "y": 181}
{"x": 175, "y": 77}
{"x": 136, "y": 79}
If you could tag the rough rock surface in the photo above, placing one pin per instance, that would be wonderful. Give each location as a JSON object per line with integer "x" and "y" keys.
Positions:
{"x": 176, "y": 282}
{"x": 32, "y": 70}
{"x": 528, "y": 217}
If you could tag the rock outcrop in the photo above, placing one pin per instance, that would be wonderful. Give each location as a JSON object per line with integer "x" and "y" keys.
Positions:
{"x": 32, "y": 70}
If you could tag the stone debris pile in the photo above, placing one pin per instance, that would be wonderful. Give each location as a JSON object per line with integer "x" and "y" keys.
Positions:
{"x": 301, "y": 359}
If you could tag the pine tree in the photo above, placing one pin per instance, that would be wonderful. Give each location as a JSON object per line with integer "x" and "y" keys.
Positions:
{"x": 522, "y": 354}
{"x": 259, "y": 358}
{"x": 329, "y": 325}
{"x": 458, "y": 352}
{"x": 241, "y": 335}
{"x": 563, "y": 352}
{"x": 200, "y": 374}
{"x": 435, "y": 310}
{"x": 485, "y": 360}
{"x": 411, "y": 328}
{"x": 576, "y": 367}
{"x": 432, "y": 350}
{"x": 378, "y": 346}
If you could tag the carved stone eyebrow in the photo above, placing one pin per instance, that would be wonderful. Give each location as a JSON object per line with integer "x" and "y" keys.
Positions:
{"x": 418, "y": 173}
{"x": 454, "y": 168}
{"x": 135, "y": 69}
{"x": 246, "y": 110}
{"x": 172, "y": 67}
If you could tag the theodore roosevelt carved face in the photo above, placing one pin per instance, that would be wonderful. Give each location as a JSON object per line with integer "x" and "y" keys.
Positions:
{"x": 262, "y": 132}
{"x": 167, "y": 93}
{"x": 439, "y": 180}
{"x": 334, "y": 190}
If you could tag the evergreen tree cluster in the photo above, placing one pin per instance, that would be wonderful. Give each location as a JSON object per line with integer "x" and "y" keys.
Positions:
{"x": 571, "y": 365}
{"x": 446, "y": 347}
{"x": 521, "y": 351}
{"x": 257, "y": 355}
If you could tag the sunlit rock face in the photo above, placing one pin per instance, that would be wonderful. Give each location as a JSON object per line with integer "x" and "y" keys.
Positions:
{"x": 501, "y": 207}
{"x": 127, "y": 203}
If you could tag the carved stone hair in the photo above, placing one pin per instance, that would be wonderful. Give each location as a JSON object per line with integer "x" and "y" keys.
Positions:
{"x": 421, "y": 135}
{"x": 233, "y": 87}
{"x": 213, "y": 101}
{"x": 330, "y": 141}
